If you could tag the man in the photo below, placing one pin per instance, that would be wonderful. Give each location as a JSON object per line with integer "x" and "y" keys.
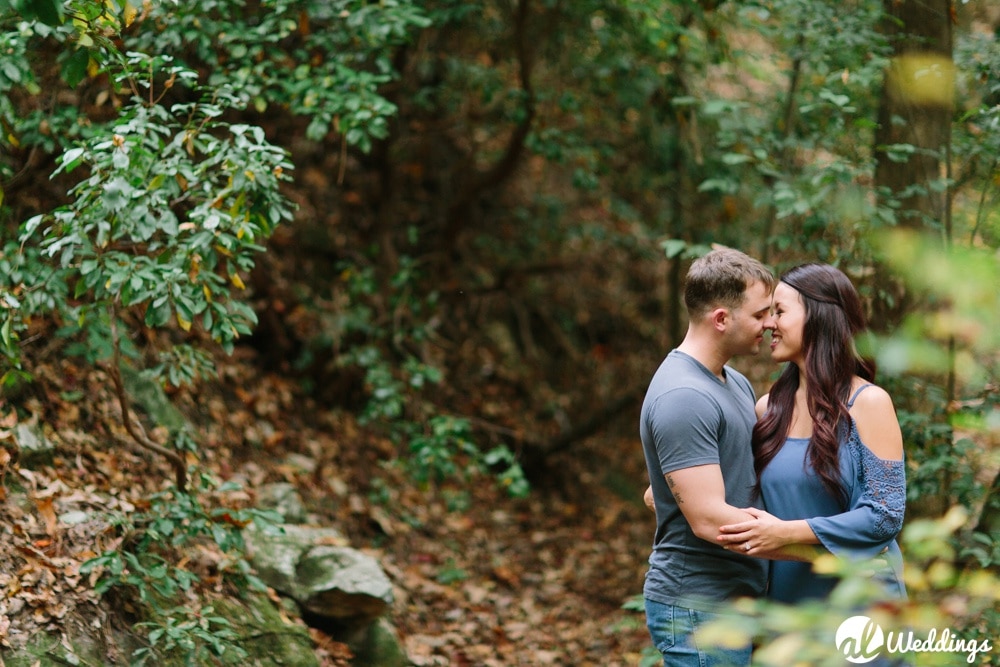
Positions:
{"x": 695, "y": 425}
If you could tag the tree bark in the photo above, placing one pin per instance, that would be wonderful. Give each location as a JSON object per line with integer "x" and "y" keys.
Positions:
{"x": 915, "y": 110}
{"x": 916, "y": 107}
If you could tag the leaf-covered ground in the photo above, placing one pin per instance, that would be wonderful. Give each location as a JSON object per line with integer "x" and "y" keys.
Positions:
{"x": 480, "y": 578}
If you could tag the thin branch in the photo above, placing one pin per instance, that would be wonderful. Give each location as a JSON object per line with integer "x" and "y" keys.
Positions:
{"x": 342, "y": 167}
{"x": 504, "y": 167}
{"x": 34, "y": 159}
{"x": 789, "y": 123}
{"x": 590, "y": 426}
{"x": 134, "y": 428}
{"x": 949, "y": 198}
{"x": 980, "y": 208}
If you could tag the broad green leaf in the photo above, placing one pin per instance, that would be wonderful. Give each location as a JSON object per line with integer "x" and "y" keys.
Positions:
{"x": 673, "y": 247}
{"x": 74, "y": 68}
{"x": 732, "y": 159}
{"x": 71, "y": 158}
{"x": 158, "y": 314}
{"x": 49, "y": 12}
{"x": 5, "y": 336}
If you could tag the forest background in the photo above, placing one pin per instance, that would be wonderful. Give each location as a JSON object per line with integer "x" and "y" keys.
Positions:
{"x": 421, "y": 258}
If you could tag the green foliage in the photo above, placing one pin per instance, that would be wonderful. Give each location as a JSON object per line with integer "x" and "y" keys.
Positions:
{"x": 451, "y": 574}
{"x": 325, "y": 60}
{"x": 977, "y": 135}
{"x": 144, "y": 566}
{"x": 942, "y": 596}
{"x": 447, "y": 451}
{"x": 183, "y": 365}
{"x": 15, "y": 72}
{"x": 801, "y": 160}
{"x": 47, "y": 11}
{"x": 960, "y": 284}
{"x": 643, "y": 120}
{"x": 439, "y": 447}
{"x": 18, "y": 268}
{"x": 678, "y": 248}
{"x": 946, "y": 470}
{"x": 173, "y": 203}
{"x": 952, "y": 335}
{"x": 173, "y": 522}
{"x": 177, "y": 200}
{"x": 202, "y": 635}
{"x": 177, "y": 196}
{"x": 124, "y": 241}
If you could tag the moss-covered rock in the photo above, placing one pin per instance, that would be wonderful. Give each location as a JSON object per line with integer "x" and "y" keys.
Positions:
{"x": 267, "y": 635}
{"x": 379, "y": 647}
{"x": 262, "y": 636}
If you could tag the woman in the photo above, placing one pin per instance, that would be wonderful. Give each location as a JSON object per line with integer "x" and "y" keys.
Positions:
{"x": 827, "y": 446}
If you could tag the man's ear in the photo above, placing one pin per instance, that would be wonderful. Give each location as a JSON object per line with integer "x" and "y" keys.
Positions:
{"x": 719, "y": 318}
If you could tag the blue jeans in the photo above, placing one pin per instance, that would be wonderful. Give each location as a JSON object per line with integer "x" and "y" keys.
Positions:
{"x": 672, "y": 628}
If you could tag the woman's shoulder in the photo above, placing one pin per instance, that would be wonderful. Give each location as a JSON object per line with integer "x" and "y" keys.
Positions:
{"x": 761, "y": 406}
{"x": 875, "y": 419}
{"x": 868, "y": 396}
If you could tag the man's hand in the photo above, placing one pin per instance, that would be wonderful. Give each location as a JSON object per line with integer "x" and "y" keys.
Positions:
{"x": 648, "y": 499}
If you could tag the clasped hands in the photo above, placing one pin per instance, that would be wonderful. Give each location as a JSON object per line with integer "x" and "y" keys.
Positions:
{"x": 762, "y": 536}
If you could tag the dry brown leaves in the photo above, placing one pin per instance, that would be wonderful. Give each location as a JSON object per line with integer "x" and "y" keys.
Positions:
{"x": 40, "y": 559}
{"x": 488, "y": 581}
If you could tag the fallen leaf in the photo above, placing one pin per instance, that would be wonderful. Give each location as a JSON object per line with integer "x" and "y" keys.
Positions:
{"x": 46, "y": 509}
{"x": 9, "y": 420}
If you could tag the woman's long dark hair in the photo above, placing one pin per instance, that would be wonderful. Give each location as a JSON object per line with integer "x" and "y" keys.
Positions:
{"x": 833, "y": 317}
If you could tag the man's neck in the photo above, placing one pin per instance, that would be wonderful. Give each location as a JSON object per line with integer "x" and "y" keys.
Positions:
{"x": 706, "y": 354}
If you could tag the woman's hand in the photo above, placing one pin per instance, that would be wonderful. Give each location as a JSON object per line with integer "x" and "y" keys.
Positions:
{"x": 763, "y": 533}
{"x": 767, "y": 536}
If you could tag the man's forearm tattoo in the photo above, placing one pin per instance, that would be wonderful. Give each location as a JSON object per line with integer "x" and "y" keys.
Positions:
{"x": 673, "y": 489}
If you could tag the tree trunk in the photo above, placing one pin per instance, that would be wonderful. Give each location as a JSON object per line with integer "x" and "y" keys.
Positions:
{"x": 915, "y": 111}
{"x": 916, "y": 107}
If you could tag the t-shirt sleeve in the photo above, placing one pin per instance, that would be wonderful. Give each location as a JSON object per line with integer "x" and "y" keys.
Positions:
{"x": 684, "y": 424}
{"x": 876, "y": 517}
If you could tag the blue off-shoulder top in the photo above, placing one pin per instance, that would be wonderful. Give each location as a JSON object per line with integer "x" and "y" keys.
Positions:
{"x": 865, "y": 529}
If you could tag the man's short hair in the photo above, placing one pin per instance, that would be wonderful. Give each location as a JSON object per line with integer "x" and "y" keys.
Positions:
{"x": 721, "y": 279}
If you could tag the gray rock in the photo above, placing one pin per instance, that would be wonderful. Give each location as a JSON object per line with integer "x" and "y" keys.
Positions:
{"x": 284, "y": 499}
{"x": 316, "y": 568}
{"x": 34, "y": 449}
{"x": 74, "y": 517}
{"x": 275, "y": 554}
{"x": 340, "y": 589}
{"x": 379, "y": 647}
{"x": 343, "y": 583}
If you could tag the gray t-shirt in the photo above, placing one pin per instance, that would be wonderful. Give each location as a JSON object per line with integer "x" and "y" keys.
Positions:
{"x": 690, "y": 418}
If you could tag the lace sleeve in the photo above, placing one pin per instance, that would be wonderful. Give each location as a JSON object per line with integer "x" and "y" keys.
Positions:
{"x": 884, "y": 484}
{"x": 875, "y": 514}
